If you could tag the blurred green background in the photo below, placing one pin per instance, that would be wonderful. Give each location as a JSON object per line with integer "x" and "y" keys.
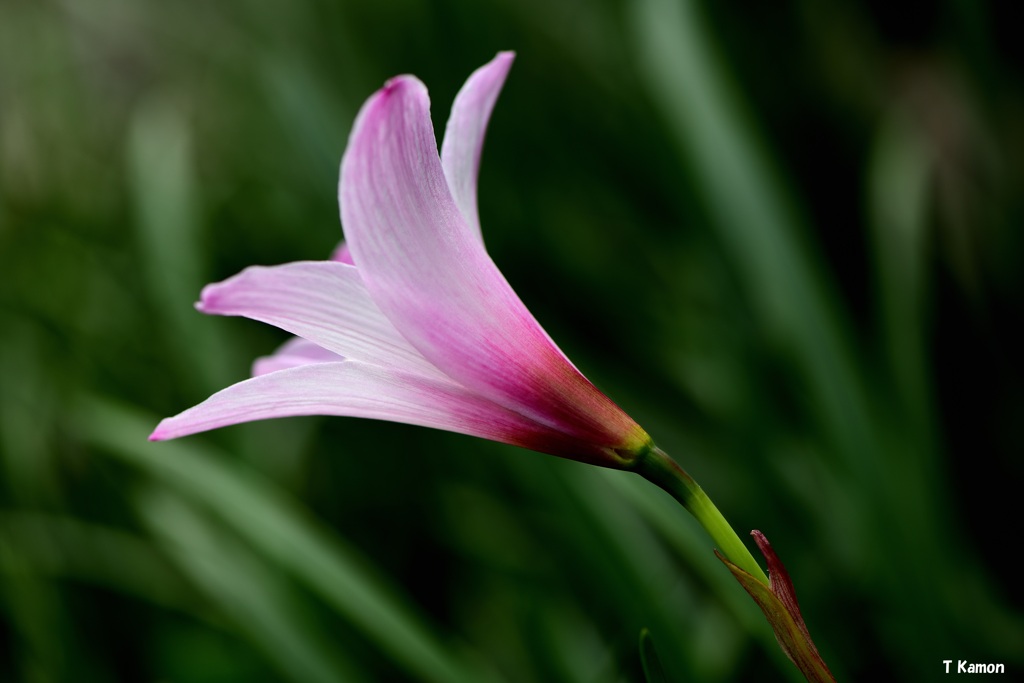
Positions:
{"x": 784, "y": 236}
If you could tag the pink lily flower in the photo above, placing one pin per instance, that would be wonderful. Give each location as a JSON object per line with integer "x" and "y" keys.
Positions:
{"x": 411, "y": 321}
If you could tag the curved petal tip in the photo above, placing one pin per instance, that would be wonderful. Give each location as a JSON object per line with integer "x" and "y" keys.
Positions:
{"x": 159, "y": 434}
{"x": 208, "y": 299}
{"x": 398, "y": 86}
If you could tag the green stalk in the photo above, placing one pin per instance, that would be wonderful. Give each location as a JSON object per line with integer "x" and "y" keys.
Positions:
{"x": 658, "y": 468}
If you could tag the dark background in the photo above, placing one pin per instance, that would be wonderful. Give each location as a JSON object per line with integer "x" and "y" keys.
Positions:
{"x": 785, "y": 237}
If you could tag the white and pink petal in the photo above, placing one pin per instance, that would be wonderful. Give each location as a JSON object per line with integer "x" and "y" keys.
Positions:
{"x": 324, "y": 302}
{"x": 464, "y": 135}
{"x": 353, "y": 389}
{"x": 293, "y": 353}
{"x": 427, "y": 270}
{"x": 341, "y": 254}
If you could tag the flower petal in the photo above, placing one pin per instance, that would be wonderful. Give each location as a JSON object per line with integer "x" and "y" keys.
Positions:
{"x": 353, "y": 389}
{"x": 341, "y": 254}
{"x": 426, "y": 270}
{"x": 322, "y": 301}
{"x": 293, "y": 353}
{"x": 464, "y": 135}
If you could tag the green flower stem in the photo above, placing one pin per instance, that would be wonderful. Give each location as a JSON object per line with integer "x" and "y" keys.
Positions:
{"x": 657, "y": 467}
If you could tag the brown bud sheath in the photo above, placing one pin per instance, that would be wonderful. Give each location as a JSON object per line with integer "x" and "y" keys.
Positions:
{"x": 778, "y": 602}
